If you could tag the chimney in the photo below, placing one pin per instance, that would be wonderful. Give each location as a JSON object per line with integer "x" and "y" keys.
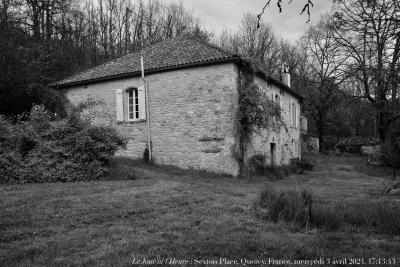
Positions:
{"x": 285, "y": 74}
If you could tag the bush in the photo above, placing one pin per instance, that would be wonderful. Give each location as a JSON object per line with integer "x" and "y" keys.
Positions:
{"x": 40, "y": 148}
{"x": 258, "y": 164}
{"x": 390, "y": 151}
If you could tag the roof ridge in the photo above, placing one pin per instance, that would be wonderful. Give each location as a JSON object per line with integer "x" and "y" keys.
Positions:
{"x": 214, "y": 46}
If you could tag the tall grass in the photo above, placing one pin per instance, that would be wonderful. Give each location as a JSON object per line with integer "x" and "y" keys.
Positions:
{"x": 297, "y": 207}
{"x": 292, "y": 206}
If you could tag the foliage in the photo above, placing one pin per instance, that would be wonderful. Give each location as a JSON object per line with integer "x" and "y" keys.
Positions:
{"x": 256, "y": 113}
{"x": 39, "y": 148}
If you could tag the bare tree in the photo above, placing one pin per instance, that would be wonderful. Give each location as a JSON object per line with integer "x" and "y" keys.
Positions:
{"x": 324, "y": 74}
{"x": 368, "y": 32}
{"x": 259, "y": 45}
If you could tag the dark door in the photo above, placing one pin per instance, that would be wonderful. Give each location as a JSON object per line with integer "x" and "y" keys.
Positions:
{"x": 273, "y": 154}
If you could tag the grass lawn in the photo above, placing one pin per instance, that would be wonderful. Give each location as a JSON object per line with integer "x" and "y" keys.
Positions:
{"x": 168, "y": 212}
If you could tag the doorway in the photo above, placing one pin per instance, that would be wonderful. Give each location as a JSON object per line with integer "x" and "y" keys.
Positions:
{"x": 273, "y": 154}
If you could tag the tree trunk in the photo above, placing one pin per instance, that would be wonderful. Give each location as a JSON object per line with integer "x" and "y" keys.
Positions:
{"x": 321, "y": 134}
{"x": 382, "y": 120}
{"x": 321, "y": 142}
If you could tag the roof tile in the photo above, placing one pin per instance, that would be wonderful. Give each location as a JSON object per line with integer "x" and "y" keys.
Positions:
{"x": 172, "y": 53}
{"x": 178, "y": 51}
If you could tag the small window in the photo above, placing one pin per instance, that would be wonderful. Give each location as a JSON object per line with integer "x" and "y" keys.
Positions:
{"x": 294, "y": 116}
{"x": 278, "y": 100}
{"x": 133, "y": 104}
{"x": 130, "y": 104}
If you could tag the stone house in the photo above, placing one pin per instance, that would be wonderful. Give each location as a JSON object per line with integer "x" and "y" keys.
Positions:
{"x": 193, "y": 102}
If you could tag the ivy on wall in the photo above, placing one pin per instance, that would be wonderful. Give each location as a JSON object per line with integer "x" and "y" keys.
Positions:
{"x": 256, "y": 112}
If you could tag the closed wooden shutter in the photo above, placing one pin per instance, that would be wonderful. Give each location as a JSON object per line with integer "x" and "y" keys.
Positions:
{"x": 142, "y": 103}
{"x": 119, "y": 105}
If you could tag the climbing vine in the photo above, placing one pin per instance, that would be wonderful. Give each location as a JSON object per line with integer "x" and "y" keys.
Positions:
{"x": 256, "y": 112}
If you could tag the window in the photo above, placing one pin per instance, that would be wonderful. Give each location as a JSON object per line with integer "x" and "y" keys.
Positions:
{"x": 130, "y": 104}
{"x": 277, "y": 99}
{"x": 133, "y": 104}
{"x": 293, "y": 115}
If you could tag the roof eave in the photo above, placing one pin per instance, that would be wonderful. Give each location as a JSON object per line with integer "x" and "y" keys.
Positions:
{"x": 280, "y": 85}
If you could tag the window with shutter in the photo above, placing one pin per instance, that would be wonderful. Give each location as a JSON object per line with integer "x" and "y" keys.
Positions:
{"x": 130, "y": 105}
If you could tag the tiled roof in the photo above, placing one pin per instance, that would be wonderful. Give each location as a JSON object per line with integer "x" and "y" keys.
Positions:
{"x": 166, "y": 55}
{"x": 178, "y": 52}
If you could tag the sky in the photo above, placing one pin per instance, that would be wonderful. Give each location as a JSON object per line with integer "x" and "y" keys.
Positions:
{"x": 227, "y": 14}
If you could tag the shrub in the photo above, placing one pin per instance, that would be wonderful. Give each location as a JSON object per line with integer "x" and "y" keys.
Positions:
{"x": 38, "y": 148}
{"x": 390, "y": 151}
{"x": 258, "y": 164}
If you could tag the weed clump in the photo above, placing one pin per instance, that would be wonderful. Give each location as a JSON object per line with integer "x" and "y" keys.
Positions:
{"x": 299, "y": 208}
{"x": 292, "y": 206}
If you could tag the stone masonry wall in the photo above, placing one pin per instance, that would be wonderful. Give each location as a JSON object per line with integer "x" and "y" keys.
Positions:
{"x": 287, "y": 140}
{"x": 192, "y": 113}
